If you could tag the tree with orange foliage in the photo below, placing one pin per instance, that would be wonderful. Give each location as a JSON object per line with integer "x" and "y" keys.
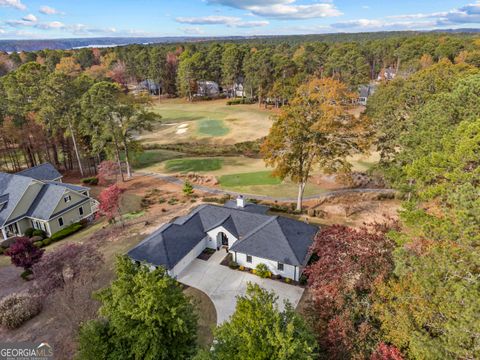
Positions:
{"x": 316, "y": 129}
{"x": 68, "y": 66}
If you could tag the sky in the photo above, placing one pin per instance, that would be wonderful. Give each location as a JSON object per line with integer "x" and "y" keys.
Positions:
{"x": 47, "y": 19}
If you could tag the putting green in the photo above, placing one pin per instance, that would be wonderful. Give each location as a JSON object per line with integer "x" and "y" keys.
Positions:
{"x": 193, "y": 165}
{"x": 211, "y": 127}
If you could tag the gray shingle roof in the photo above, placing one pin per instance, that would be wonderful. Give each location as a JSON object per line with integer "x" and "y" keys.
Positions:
{"x": 271, "y": 237}
{"x": 44, "y": 171}
{"x": 12, "y": 188}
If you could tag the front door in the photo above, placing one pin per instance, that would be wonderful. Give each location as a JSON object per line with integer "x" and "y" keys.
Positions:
{"x": 224, "y": 239}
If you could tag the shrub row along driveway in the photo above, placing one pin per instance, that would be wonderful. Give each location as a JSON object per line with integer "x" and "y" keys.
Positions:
{"x": 223, "y": 284}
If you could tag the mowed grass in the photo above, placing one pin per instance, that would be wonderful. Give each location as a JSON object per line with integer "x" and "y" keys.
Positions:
{"x": 213, "y": 128}
{"x": 193, "y": 165}
{"x": 151, "y": 157}
{"x": 207, "y": 121}
{"x": 248, "y": 179}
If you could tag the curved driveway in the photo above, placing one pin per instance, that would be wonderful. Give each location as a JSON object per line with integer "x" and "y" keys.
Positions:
{"x": 223, "y": 284}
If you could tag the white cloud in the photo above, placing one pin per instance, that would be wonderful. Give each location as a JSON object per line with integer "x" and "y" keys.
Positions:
{"x": 230, "y": 21}
{"x": 17, "y": 4}
{"x": 282, "y": 9}
{"x": 47, "y": 10}
{"x": 30, "y": 18}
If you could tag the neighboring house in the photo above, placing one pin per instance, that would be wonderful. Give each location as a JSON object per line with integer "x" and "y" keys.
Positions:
{"x": 238, "y": 89}
{"x": 35, "y": 198}
{"x": 207, "y": 88}
{"x": 45, "y": 171}
{"x": 365, "y": 91}
{"x": 387, "y": 74}
{"x": 245, "y": 230}
{"x": 149, "y": 85}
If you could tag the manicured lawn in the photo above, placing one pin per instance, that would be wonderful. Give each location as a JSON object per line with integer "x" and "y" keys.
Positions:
{"x": 248, "y": 179}
{"x": 211, "y": 127}
{"x": 206, "y": 121}
{"x": 150, "y": 157}
{"x": 207, "y": 315}
{"x": 193, "y": 165}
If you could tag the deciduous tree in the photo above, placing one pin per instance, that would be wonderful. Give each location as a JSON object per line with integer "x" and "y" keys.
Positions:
{"x": 315, "y": 130}
{"x": 259, "y": 330}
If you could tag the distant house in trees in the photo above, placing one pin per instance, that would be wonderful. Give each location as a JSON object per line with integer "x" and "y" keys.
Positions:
{"x": 365, "y": 91}
{"x": 149, "y": 85}
{"x": 238, "y": 89}
{"x": 36, "y": 198}
{"x": 387, "y": 74}
{"x": 207, "y": 89}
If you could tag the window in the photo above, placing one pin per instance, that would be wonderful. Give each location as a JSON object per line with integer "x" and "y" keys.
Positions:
{"x": 249, "y": 259}
{"x": 280, "y": 266}
{"x": 80, "y": 210}
{"x": 67, "y": 198}
{"x": 60, "y": 221}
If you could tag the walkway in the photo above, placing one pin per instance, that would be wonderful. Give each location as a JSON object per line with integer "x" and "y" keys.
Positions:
{"x": 217, "y": 191}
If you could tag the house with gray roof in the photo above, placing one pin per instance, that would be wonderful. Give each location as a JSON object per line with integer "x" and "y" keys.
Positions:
{"x": 45, "y": 171}
{"x": 245, "y": 230}
{"x": 36, "y": 198}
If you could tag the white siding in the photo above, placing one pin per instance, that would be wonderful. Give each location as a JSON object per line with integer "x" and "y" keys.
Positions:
{"x": 212, "y": 242}
{"x": 288, "y": 270}
{"x": 187, "y": 259}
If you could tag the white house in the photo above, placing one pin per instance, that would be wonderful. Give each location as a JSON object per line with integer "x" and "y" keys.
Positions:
{"x": 242, "y": 229}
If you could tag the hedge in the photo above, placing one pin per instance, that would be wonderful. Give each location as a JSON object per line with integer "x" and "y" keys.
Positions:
{"x": 62, "y": 234}
{"x": 90, "y": 180}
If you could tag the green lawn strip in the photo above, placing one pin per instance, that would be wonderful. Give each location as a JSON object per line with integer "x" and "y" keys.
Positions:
{"x": 212, "y": 127}
{"x": 193, "y": 165}
{"x": 249, "y": 179}
{"x": 148, "y": 158}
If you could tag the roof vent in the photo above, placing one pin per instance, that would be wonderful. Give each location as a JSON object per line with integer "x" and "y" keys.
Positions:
{"x": 240, "y": 202}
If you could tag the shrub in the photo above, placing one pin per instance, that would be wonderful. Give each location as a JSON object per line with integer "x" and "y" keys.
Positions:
{"x": 303, "y": 279}
{"x": 90, "y": 180}
{"x": 241, "y": 101}
{"x": 262, "y": 271}
{"x": 40, "y": 233}
{"x": 25, "y": 275}
{"x": 38, "y": 244}
{"x": 187, "y": 188}
{"x": 17, "y": 308}
{"x": 62, "y": 234}
{"x": 232, "y": 264}
{"x": 2, "y": 250}
{"x": 172, "y": 201}
{"x": 29, "y": 232}
{"x": 288, "y": 280}
{"x": 46, "y": 242}
{"x": 242, "y": 268}
{"x": 23, "y": 253}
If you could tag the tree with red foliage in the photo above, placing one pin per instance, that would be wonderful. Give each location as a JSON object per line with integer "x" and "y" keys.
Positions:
{"x": 110, "y": 202}
{"x": 106, "y": 170}
{"x": 386, "y": 352}
{"x": 341, "y": 283}
{"x": 23, "y": 253}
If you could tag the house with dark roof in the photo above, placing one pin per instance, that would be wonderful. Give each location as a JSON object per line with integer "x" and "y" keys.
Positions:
{"x": 45, "y": 171}
{"x": 36, "y": 198}
{"x": 245, "y": 230}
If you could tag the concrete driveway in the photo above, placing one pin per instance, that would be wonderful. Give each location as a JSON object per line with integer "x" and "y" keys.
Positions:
{"x": 223, "y": 284}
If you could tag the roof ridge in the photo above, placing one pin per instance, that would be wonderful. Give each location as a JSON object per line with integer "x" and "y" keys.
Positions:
{"x": 262, "y": 225}
{"x": 42, "y": 164}
{"x": 288, "y": 243}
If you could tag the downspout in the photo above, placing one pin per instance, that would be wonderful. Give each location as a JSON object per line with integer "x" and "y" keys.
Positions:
{"x": 295, "y": 273}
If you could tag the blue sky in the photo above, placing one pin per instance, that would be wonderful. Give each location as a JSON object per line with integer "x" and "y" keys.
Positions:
{"x": 25, "y": 19}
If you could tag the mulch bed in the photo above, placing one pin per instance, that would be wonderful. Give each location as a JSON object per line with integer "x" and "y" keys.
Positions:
{"x": 206, "y": 254}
